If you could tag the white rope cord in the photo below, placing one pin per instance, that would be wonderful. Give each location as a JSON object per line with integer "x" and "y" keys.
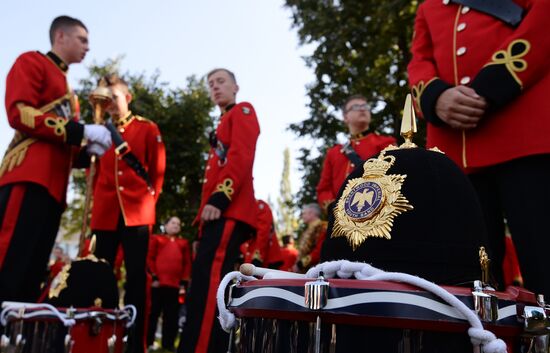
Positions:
{"x": 131, "y": 312}
{"x": 227, "y": 318}
{"x": 346, "y": 269}
{"x": 11, "y": 309}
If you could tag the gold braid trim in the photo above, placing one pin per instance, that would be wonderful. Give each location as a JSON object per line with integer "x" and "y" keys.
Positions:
{"x": 15, "y": 156}
{"x": 513, "y": 62}
{"x": 17, "y": 149}
{"x": 59, "y": 282}
{"x": 417, "y": 91}
{"x": 58, "y": 125}
{"x": 309, "y": 237}
{"x": 27, "y": 115}
{"x": 226, "y": 187}
{"x": 67, "y": 96}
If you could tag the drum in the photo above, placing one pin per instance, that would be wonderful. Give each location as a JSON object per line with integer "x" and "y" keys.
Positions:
{"x": 376, "y": 316}
{"x": 42, "y": 328}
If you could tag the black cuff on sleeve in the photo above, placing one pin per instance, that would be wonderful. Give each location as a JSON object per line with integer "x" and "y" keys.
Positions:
{"x": 428, "y": 99}
{"x": 83, "y": 159}
{"x": 183, "y": 283}
{"x": 154, "y": 278}
{"x": 219, "y": 200}
{"x": 496, "y": 85}
{"x": 74, "y": 132}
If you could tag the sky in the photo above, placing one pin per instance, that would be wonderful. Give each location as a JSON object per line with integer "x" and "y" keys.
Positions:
{"x": 180, "y": 38}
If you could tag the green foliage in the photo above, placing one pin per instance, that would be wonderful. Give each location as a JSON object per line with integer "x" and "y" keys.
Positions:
{"x": 182, "y": 115}
{"x": 362, "y": 47}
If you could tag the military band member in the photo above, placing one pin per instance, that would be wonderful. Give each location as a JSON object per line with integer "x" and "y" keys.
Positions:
{"x": 227, "y": 214}
{"x": 170, "y": 266}
{"x": 479, "y": 73}
{"x": 288, "y": 252}
{"x": 342, "y": 159}
{"x": 34, "y": 172}
{"x": 263, "y": 249}
{"x": 129, "y": 182}
{"x": 311, "y": 240}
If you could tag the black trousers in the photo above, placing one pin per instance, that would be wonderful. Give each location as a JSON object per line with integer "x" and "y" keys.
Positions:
{"x": 135, "y": 243}
{"x": 519, "y": 191}
{"x": 164, "y": 300}
{"x": 29, "y": 222}
{"x": 217, "y": 255}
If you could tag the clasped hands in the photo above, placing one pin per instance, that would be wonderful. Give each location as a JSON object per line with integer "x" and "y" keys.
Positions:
{"x": 460, "y": 107}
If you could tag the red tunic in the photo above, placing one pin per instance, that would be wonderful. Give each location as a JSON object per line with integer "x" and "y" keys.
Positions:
{"x": 228, "y": 185}
{"x": 337, "y": 166}
{"x": 510, "y": 265}
{"x": 119, "y": 188}
{"x": 290, "y": 255}
{"x": 265, "y": 246}
{"x": 44, "y": 112}
{"x": 508, "y": 66}
{"x": 169, "y": 259}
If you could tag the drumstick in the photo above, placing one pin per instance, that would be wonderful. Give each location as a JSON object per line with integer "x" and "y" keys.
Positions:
{"x": 267, "y": 273}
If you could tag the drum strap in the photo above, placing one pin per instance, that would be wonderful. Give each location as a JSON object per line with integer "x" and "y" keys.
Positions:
{"x": 123, "y": 149}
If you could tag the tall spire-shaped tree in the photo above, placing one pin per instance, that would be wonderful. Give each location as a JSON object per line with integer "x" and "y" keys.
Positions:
{"x": 286, "y": 210}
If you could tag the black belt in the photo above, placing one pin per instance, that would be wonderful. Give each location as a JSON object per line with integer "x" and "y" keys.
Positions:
{"x": 122, "y": 149}
{"x": 504, "y": 10}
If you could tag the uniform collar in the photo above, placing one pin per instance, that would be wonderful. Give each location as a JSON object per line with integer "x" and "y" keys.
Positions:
{"x": 123, "y": 122}
{"x": 359, "y": 135}
{"x": 228, "y": 108}
{"x": 57, "y": 61}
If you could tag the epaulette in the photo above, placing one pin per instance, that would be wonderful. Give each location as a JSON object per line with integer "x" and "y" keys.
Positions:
{"x": 140, "y": 118}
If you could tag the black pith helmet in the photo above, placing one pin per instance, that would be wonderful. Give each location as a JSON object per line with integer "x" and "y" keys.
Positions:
{"x": 438, "y": 239}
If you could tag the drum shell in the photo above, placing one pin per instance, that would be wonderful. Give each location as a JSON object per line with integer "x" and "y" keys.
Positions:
{"x": 271, "y": 323}
{"x": 90, "y": 333}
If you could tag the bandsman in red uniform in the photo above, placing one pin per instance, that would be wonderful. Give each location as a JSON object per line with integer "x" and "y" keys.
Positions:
{"x": 227, "y": 214}
{"x": 264, "y": 249}
{"x": 288, "y": 252}
{"x": 170, "y": 266}
{"x": 129, "y": 182}
{"x": 311, "y": 240}
{"x": 34, "y": 172}
{"x": 480, "y": 77}
{"x": 342, "y": 159}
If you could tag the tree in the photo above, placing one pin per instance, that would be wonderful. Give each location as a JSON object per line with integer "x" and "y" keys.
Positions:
{"x": 361, "y": 47}
{"x": 182, "y": 115}
{"x": 286, "y": 209}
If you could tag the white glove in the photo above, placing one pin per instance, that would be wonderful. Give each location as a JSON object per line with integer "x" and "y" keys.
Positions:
{"x": 98, "y": 134}
{"x": 96, "y": 148}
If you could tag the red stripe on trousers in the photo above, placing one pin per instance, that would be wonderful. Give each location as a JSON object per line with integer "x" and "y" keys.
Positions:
{"x": 215, "y": 274}
{"x": 10, "y": 218}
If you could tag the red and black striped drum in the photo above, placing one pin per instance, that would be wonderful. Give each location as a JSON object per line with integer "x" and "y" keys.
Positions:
{"x": 367, "y": 316}
{"x": 42, "y": 328}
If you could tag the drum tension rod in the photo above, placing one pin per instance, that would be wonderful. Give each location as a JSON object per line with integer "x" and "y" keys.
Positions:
{"x": 316, "y": 298}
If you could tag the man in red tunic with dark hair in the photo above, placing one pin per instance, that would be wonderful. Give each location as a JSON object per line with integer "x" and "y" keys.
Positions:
{"x": 264, "y": 249}
{"x": 34, "y": 172}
